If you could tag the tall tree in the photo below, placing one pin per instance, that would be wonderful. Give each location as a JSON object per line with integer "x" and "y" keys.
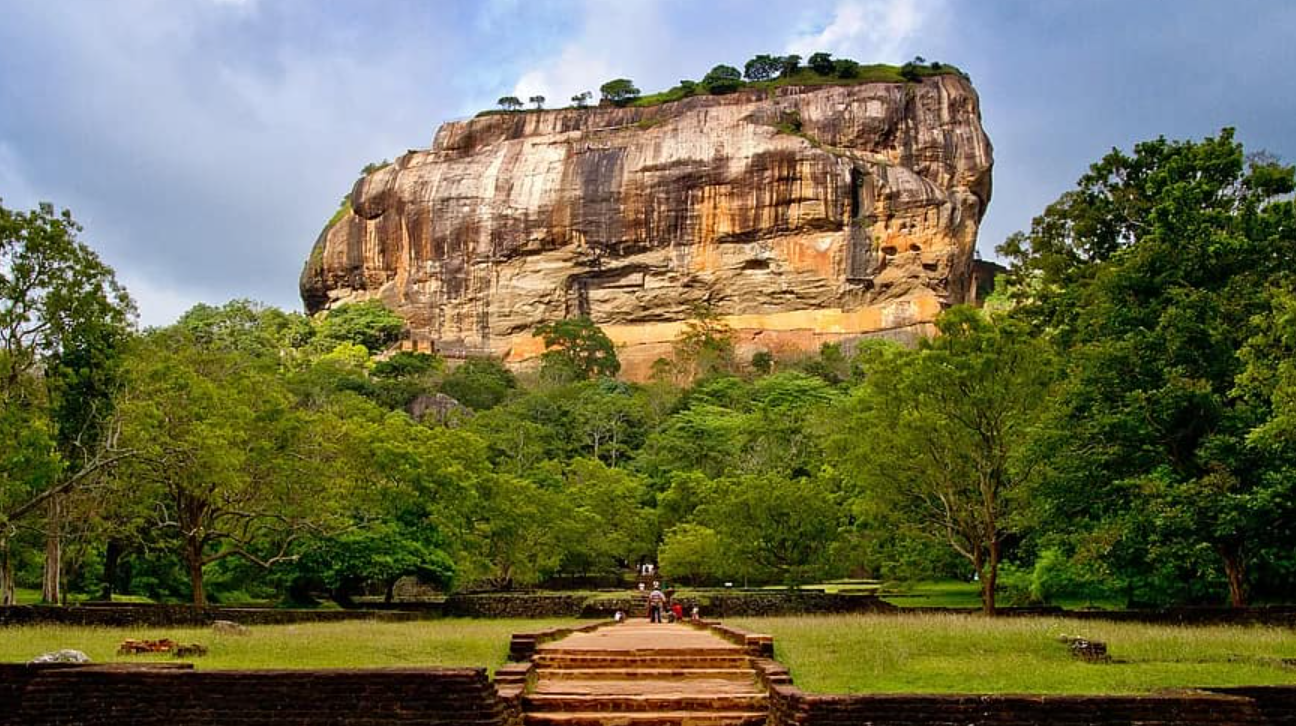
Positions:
{"x": 577, "y": 348}
{"x": 946, "y": 431}
{"x": 1150, "y": 277}
{"x": 63, "y": 322}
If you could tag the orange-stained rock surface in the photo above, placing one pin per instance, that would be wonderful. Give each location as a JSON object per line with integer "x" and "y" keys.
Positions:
{"x": 809, "y": 215}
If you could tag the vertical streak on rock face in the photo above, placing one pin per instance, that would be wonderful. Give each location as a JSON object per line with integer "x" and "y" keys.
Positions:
{"x": 863, "y": 222}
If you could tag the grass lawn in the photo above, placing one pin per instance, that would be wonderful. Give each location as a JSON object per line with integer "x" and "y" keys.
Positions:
{"x": 939, "y": 653}
{"x": 355, "y": 644}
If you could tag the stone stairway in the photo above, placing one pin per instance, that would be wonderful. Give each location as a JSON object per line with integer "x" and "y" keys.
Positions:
{"x": 644, "y": 674}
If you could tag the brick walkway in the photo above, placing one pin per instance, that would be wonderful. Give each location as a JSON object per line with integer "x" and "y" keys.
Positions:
{"x": 644, "y": 674}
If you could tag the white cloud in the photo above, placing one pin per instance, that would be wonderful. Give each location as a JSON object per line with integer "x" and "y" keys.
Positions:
{"x": 622, "y": 39}
{"x": 882, "y": 30}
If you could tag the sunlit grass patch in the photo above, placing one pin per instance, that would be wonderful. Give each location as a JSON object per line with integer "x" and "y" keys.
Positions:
{"x": 940, "y": 653}
{"x": 352, "y": 644}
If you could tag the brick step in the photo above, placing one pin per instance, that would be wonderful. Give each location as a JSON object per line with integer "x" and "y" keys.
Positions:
{"x": 733, "y": 650}
{"x": 644, "y": 687}
{"x": 648, "y": 718}
{"x": 664, "y": 673}
{"x": 571, "y": 661}
{"x": 564, "y": 703}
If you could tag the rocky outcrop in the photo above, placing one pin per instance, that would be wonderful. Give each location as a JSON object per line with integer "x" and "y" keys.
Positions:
{"x": 805, "y": 215}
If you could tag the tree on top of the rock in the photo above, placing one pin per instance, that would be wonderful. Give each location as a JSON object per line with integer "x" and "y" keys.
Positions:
{"x": 577, "y": 348}
{"x": 619, "y": 91}
{"x": 509, "y": 103}
{"x": 538, "y": 101}
{"x": 763, "y": 67}
{"x": 581, "y": 100}
{"x": 821, "y": 63}
{"x": 789, "y": 65}
{"x": 722, "y": 79}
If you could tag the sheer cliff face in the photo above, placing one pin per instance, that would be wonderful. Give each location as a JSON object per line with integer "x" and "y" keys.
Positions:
{"x": 813, "y": 215}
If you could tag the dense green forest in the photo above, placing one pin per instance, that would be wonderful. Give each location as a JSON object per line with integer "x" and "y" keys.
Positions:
{"x": 1118, "y": 423}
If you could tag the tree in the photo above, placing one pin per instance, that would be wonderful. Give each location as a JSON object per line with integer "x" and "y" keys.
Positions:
{"x": 764, "y": 67}
{"x": 509, "y": 103}
{"x": 821, "y": 63}
{"x": 368, "y": 323}
{"x": 479, "y": 383}
{"x": 693, "y": 553}
{"x": 705, "y": 345}
{"x": 581, "y": 100}
{"x": 619, "y": 91}
{"x": 948, "y": 430}
{"x": 789, "y": 65}
{"x": 233, "y": 469}
{"x": 577, "y": 349}
{"x": 1150, "y": 277}
{"x": 722, "y": 79}
{"x": 846, "y": 68}
{"x": 769, "y": 526}
{"x": 538, "y": 101}
{"x": 64, "y": 321}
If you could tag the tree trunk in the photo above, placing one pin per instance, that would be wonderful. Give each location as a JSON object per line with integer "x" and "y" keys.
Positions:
{"x": 53, "y": 553}
{"x": 112, "y": 556}
{"x": 391, "y": 591}
{"x": 989, "y": 579}
{"x": 1235, "y": 568}
{"x": 6, "y": 574}
{"x": 194, "y": 558}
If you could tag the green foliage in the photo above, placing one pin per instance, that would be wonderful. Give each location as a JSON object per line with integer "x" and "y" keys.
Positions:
{"x": 582, "y": 99}
{"x": 693, "y": 554}
{"x": 343, "y": 211}
{"x": 821, "y": 63}
{"x": 509, "y": 103}
{"x": 789, "y": 65}
{"x": 764, "y": 67}
{"x": 948, "y": 426}
{"x": 538, "y": 101}
{"x": 619, "y": 91}
{"x": 577, "y": 349}
{"x": 722, "y": 79}
{"x": 372, "y": 167}
{"x": 1150, "y": 277}
{"x": 479, "y": 383}
{"x": 368, "y": 323}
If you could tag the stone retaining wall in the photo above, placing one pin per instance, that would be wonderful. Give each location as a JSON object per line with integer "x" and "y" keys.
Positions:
{"x": 122, "y": 615}
{"x": 111, "y": 695}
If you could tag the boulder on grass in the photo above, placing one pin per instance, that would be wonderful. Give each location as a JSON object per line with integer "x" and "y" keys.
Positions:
{"x": 66, "y": 655}
{"x": 229, "y": 627}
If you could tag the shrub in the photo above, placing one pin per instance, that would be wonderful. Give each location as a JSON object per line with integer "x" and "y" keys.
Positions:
{"x": 722, "y": 79}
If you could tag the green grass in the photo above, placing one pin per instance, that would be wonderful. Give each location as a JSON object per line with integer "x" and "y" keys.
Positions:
{"x": 931, "y": 653}
{"x": 342, "y": 211}
{"x": 355, "y": 644}
{"x": 941, "y": 594}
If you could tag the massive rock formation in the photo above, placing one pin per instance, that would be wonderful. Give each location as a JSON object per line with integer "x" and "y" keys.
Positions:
{"x": 805, "y": 215}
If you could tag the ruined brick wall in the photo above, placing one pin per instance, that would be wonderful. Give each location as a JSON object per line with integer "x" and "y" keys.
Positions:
{"x": 790, "y": 707}
{"x": 148, "y": 696}
{"x": 119, "y": 615}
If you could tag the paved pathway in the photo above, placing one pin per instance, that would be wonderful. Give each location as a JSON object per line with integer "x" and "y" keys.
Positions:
{"x": 645, "y": 674}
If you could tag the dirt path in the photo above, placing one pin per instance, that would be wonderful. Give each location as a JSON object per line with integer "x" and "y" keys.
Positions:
{"x": 645, "y": 674}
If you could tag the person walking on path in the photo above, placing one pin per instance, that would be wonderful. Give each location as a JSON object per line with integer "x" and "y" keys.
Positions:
{"x": 656, "y": 601}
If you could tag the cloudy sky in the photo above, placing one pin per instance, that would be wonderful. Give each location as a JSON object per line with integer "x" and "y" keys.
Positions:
{"x": 203, "y": 143}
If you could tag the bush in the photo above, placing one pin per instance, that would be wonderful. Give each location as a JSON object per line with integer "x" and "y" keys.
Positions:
{"x": 722, "y": 79}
